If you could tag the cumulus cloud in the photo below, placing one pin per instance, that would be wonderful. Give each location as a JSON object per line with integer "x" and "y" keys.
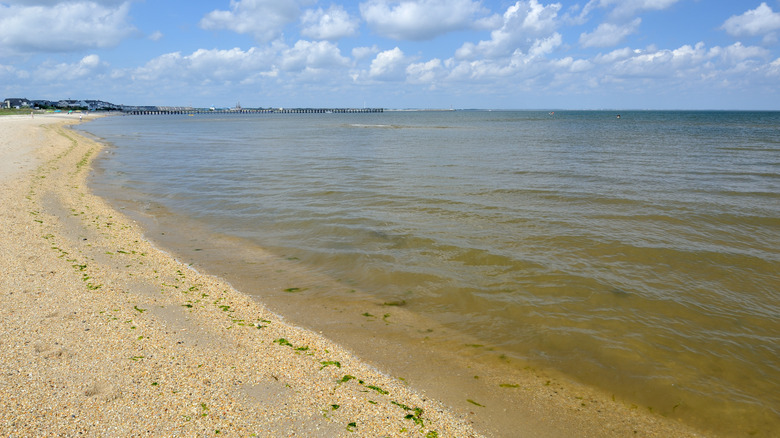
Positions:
{"x": 27, "y": 27}
{"x": 364, "y": 52}
{"x": 613, "y": 56}
{"x": 312, "y": 55}
{"x": 627, "y": 8}
{"x": 389, "y": 65}
{"x": 524, "y": 23}
{"x": 425, "y": 72}
{"x": 265, "y": 19}
{"x": 222, "y": 65}
{"x": 774, "y": 68}
{"x": 418, "y": 20}
{"x": 607, "y": 34}
{"x": 759, "y": 21}
{"x": 86, "y": 67}
{"x": 685, "y": 61}
{"x": 332, "y": 24}
{"x": 242, "y": 66}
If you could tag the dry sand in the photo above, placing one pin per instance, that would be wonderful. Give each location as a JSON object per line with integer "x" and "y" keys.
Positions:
{"x": 103, "y": 334}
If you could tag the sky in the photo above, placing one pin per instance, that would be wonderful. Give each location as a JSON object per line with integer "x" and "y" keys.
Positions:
{"x": 496, "y": 54}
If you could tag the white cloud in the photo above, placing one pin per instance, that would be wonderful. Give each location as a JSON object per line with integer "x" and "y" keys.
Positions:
{"x": 389, "y": 65}
{"x": 364, "y": 52}
{"x": 424, "y": 72}
{"x": 208, "y": 65}
{"x": 523, "y": 23}
{"x": 9, "y": 73}
{"x": 737, "y": 53}
{"x": 607, "y": 34}
{"x": 312, "y": 55}
{"x": 62, "y": 26}
{"x": 86, "y": 67}
{"x": 544, "y": 46}
{"x": 613, "y": 56}
{"x": 418, "y": 20}
{"x": 627, "y": 8}
{"x": 156, "y": 36}
{"x": 265, "y": 19}
{"x": 241, "y": 66}
{"x": 759, "y": 21}
{"x": 332, "y": 24}
{"x": 687, "y": 61}
{"x": 774, "y": 68}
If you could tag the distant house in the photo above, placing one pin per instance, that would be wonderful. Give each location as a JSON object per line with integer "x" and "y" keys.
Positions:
{"x": 72, "y": 104}
{"x": 99, "y": 105}
{"x": 38, "y": 104}
{"x": 16, "y": 102}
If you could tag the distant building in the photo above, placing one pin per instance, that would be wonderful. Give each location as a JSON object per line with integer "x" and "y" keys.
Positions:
{"x": 16, "y": 102}
{"x": 38, "y": 104}
{"x": 71, "y": 104}
{"x": 99, "y": 105}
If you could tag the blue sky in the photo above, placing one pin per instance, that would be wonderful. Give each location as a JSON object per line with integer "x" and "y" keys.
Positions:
{"x": 528, "y": 54}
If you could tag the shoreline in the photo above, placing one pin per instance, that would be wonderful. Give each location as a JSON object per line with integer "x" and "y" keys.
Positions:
{"x": 105, "y": 332}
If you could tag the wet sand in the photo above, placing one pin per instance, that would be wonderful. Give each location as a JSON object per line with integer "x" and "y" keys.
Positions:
{"x": 105, "y": 334}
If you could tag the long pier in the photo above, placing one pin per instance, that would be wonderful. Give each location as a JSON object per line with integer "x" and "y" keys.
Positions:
{"x": 255, "y": 111}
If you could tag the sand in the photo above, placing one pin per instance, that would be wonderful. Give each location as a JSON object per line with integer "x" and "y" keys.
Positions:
{"x": 103, "y": 334}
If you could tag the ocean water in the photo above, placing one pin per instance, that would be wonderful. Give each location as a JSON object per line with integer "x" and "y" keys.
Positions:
{"x": 638, "y": 254}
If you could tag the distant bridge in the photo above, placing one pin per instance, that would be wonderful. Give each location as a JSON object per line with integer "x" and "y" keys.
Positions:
{"x": 257, "y": 111}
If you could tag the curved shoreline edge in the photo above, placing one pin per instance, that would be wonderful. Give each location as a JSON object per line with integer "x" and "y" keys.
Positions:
{"x": 104, "y": 333}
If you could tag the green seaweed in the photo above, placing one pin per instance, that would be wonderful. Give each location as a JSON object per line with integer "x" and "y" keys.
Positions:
{"x": 328, "y": 363}
{"x": 293, "y": 289}
{"x": 139, "y": 309}
{"x": 401, "y": 405}
{"x": 474, "y": 403}
{"x": 416, "y": 417}
{"x": 508, "y": 385}
{"x": 351, "y": 427}
{"x": 282, "y": 341}
{"x": 377, "y": 389}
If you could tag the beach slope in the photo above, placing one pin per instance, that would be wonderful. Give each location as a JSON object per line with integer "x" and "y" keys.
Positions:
{"x": 103, "y": 334}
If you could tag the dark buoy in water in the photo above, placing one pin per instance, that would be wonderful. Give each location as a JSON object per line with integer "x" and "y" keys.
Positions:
{"x": 618, "y": 116}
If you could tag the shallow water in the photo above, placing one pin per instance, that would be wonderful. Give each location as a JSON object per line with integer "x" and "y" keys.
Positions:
{"x": 639, "y": 254}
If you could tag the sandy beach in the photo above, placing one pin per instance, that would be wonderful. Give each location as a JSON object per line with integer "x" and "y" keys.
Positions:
{"x": 105, "y": 334}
